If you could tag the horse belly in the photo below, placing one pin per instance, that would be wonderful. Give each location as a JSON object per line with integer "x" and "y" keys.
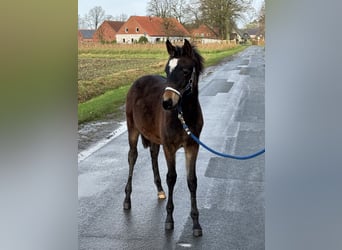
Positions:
{"x": 147, "y": 121}
{"x": 150, "y": 132}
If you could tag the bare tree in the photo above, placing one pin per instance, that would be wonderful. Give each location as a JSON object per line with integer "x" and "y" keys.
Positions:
{"x": 95, "y": 16}
{"x": 81, "y": 22}
{"x": 261, "y": 19}
{"x": 169, "y": 27}
{"x": 109, "y": 17}
{"x": 192, "y": 12}
{"x": 223, "y": 14}
{"x": 122, "y": 17}
{"x": 178, "y": 9}
{"x": 168, "y": 8}
{"x": 160, "y": 8}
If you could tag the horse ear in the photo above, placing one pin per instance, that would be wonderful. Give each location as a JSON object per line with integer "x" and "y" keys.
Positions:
{"x": 187, "y": 48}
{"x": 170, "y": 48}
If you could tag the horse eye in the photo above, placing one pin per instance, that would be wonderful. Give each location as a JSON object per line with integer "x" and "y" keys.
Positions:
{"x": 186, "y": 72}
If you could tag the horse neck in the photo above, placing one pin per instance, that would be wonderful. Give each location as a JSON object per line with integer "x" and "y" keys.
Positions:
{"x": 195, "y": 86}
{"x": 190, "y": 102}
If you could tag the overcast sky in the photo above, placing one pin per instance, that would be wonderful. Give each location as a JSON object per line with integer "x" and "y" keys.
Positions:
{"x": 128, "y": 7}
{"x": 114, "y": 7}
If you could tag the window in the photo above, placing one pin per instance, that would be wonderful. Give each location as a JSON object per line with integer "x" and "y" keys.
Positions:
{"x": 126, "y": 30}
{"x": 137, "y": 29}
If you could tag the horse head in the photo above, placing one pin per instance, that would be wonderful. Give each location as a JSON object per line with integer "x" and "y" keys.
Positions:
{"x": 182, "y": 71}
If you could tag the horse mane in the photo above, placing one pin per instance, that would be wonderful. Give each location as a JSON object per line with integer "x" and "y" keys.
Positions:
{"x": 199, "y": 60}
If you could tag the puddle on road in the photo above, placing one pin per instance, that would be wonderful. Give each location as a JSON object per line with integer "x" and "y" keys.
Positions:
{"x": 92, "y": 132}
{"x": 92, "y": 183}
{"x": 185, "y": 245}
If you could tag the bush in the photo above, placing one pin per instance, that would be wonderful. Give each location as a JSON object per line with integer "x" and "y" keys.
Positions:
{"x": 143, "y": 39}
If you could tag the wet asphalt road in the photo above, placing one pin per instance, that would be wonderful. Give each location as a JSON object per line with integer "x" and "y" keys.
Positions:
{"x": 230, "y": 193}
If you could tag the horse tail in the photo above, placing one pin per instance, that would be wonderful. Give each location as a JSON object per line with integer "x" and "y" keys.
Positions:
{"x": 146, "y": 143}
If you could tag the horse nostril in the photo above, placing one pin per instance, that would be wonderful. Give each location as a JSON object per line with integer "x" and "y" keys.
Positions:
{"x": 167, "y": 104}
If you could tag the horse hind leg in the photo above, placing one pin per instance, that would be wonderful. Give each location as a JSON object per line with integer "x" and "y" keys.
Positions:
{"x": 133, "y": 135}
{"x": 154, "y": 150}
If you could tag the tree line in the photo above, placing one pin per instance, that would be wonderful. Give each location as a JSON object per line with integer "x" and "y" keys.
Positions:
{"x": 95, "y": 17}
{"x": 222, "y": 16}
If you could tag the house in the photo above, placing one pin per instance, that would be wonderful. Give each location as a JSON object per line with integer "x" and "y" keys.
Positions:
{"x": 85, "y": 35}
{"x": 236, "y": 35}
{"x": 155, "y": 29}
{"x": 252, "y": 33}
{"x": 107, "y": 31}
{"x": 204, "y": 34}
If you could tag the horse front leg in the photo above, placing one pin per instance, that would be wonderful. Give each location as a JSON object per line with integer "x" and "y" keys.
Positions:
{"x": 171, "y": 178}
{"x": 191, "y": 156}
{"x": 154, "y": 150}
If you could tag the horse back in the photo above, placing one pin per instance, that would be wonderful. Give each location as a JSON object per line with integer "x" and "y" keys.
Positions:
{"x": 144, "y": 91}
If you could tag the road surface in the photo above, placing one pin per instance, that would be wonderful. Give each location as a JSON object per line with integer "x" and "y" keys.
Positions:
{"x": 230, "y": 193}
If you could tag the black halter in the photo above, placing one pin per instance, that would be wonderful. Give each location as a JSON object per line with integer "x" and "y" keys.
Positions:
{"x": 187, "y": 90}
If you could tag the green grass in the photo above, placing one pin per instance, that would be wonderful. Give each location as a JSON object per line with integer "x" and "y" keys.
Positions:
{"x": 215, "y": 57}
{"x": 105, "y": 74}
{"x": 102, "y": 105}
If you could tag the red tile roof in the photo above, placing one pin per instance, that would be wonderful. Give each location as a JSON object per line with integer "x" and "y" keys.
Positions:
{"x": 153, "y": 26}
{"x": 116, "y": 25}
{"x": 204, "y": 31}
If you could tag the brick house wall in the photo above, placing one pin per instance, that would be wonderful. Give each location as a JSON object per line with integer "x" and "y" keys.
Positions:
{"x": 107, "y": 31}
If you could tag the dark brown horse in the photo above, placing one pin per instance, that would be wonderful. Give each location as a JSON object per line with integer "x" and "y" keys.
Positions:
{"x": 152, "y": 106}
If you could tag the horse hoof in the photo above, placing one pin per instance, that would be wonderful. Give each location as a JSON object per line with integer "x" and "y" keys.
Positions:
{"x": 161, "y": 195}
{"x": 127, "y": 205}
{"x": 168, "y": 225}
{"x": 197, "y": 232}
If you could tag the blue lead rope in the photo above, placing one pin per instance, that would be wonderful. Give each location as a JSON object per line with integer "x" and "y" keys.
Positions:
{"x": 236, "y": 157}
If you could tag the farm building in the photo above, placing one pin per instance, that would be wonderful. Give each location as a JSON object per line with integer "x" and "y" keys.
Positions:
{"x": 155, "y": 29}
{"x": 204, "y": 34}
{"x": 107, "y": 31}
{"x": 85, "y": 35}
{"x": 253, "y": 33}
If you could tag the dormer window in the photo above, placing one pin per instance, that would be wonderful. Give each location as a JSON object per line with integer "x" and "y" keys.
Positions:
{"x": 137, "y": 29}
{"x": 126, "y": 30}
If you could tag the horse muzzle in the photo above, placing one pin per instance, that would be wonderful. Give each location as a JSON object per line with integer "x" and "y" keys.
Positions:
{"x": 170, "y": 98}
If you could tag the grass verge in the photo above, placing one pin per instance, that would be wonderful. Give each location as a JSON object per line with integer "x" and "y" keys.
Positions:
{"x": 214, "y": 58}
{"x": 99, "y": 106}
